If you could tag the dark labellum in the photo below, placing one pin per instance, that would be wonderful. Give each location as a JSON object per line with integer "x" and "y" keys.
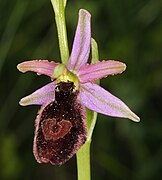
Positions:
{"x": 60, "y": 126}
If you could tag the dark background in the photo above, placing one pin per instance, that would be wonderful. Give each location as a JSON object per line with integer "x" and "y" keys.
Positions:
{"x": 126, "y": 30}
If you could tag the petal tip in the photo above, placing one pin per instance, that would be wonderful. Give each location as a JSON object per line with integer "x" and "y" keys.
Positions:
{"x": 22, "y": 102}
{"x": 124, "y": 66}
{"x": 19, "y": 67}
{"x": 23, "y": 67}
{"x": 135, "y": 118}
{"x": 84, "y": 12}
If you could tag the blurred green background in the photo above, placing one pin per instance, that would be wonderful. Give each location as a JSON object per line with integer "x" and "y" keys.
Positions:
{"x": 126, "y": 30}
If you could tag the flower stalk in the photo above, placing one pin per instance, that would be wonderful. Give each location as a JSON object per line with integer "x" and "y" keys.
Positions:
{"x": 59, "y": 9}
{"x": 83, "y": 162}
{"x": 83, "y": 154}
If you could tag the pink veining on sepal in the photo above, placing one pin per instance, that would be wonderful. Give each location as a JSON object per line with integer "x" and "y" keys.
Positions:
{"x": 91, "y": 72}
{"x": 41, "y": 96}
{"x": 81, "y": 45}
{"x": 39, "y": 66}
{"x": 99, "y": 100}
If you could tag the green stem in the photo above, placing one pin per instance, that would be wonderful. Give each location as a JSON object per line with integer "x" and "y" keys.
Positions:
{"x": 83, "y": 162}
{"x": 83, "y": 155}
{"x": 59, "y": 9}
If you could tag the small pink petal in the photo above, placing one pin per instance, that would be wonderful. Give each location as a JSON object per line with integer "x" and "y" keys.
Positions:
{"x": 40, "y": 96}
{"x": 91, "y": 72}
{"x": 81, "y": 46}
{"x": 99, "y": 100}
{"x": 39, "y": 66}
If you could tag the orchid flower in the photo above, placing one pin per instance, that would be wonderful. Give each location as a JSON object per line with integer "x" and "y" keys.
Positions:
{"x": 61, "y": 122}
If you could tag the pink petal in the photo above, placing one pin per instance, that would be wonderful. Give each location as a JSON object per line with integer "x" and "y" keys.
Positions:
{"x": 99, "y": 100}
{"x": 81, "y": 46}
{"x": 40, "y": 96}
{"x": 91, "y": 72}
{"x": 39, "y": 66}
